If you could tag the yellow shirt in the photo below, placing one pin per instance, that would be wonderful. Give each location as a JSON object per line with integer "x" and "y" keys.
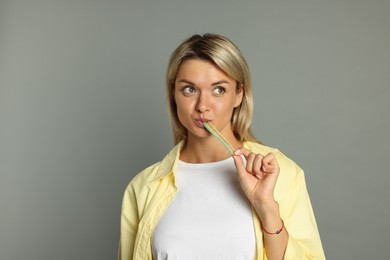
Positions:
{"x": 150, "y": 192}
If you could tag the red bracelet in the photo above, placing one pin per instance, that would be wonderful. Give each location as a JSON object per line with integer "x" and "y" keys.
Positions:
{"x": 277, "y": 232}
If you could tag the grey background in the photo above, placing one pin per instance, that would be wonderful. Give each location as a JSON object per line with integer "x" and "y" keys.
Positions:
{"x": 82, "y": 110}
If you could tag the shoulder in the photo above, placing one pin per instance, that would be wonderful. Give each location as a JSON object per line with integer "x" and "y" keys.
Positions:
{"x": 141, "y": 190}
{"x": 146, "y": 175}
{"x": 283, "y": 160}
{"x": 260, "y": 148}
{"x": 156, "y": 171}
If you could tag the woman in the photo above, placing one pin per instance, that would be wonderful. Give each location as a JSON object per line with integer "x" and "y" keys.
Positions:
{"x": 201, "y": 202}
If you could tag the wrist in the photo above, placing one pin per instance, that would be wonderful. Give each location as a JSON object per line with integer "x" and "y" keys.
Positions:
{"x": 269, "y": 207}
{"x": 269, "y": 214}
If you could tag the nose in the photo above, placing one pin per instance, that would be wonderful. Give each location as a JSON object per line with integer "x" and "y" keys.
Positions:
{"x": 202, "y": 105}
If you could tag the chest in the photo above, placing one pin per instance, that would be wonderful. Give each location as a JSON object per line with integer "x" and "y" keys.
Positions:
{"x": 209, "y": 217}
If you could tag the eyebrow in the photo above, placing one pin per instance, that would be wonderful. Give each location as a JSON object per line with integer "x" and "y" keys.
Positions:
{"x": 220, "y": 82}
{"x": 213, "y": 84}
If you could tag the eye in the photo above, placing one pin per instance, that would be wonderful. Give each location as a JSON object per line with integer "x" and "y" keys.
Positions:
{"x": 219, "y": 90}
{"x": 189, "y": 90}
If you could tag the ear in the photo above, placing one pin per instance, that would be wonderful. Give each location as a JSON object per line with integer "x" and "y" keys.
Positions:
{"x": 240, "y": 96}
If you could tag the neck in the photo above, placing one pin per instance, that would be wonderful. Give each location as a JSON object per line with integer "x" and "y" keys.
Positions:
{"x": 207, "y": 149}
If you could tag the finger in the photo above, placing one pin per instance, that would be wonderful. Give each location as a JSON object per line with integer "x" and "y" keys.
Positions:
{"x": 239, "y": 162}
{"x": 249, "y": 162}
{"x": 269, "y": 163}
{"x": 257, "y": 164}
{"x": 242, "y": 151}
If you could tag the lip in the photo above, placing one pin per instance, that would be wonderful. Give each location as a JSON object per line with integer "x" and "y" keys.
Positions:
{"x": 199, "y": 123}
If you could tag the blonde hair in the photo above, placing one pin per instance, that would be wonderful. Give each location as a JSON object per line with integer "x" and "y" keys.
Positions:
{"x": 224, "y": 54}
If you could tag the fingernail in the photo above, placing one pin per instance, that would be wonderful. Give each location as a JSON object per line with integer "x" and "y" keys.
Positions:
{"x": 236, "y": 152}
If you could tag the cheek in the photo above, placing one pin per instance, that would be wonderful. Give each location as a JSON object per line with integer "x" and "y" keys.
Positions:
{"x": 184, "y": 108}
{"x": 226, "y": 106}
{"x": 183, "y": 105}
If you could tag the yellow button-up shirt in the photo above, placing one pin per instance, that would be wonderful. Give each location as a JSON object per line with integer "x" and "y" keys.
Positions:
{"x": 149, "y": 194}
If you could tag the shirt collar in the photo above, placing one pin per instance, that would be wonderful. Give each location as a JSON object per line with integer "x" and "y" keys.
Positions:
{"x": 169, "y": 164}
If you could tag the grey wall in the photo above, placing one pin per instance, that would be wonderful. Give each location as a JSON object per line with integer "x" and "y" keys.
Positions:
{"x": 82, "y": 110}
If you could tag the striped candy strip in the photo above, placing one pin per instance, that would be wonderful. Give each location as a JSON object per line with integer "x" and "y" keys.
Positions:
{"x": 214, "y": 131}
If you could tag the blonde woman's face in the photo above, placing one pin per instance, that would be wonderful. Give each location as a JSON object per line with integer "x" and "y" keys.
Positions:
{"x": 205, "y": 93}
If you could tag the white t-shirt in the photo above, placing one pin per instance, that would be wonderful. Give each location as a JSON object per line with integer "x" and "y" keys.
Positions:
{"x": 210, "y": 217}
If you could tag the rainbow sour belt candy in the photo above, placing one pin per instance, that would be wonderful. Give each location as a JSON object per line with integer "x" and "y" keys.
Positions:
{"x": 214, "y": 131}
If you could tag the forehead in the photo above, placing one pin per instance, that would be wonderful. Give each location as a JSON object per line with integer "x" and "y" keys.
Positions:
{"x": 201, "y": 70}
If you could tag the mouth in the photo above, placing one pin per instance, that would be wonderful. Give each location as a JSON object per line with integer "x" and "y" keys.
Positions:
{"x": 199, "y": 123}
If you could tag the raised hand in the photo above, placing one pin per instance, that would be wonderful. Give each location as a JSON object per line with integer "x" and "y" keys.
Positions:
{"x": 258, "y": 177}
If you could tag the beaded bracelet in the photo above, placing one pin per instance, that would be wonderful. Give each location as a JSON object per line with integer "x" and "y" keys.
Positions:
{"x": 277, "y": 232}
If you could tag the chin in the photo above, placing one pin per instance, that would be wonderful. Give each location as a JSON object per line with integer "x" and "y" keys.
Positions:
{"x": 198, "y": 132}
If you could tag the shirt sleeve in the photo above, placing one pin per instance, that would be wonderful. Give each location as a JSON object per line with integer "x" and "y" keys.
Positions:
{"x": 129, "y": 225}
{"x": 304, "y": 240}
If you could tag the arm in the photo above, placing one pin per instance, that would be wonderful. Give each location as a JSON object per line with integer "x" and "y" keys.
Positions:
{"x": 258, "y": 179}
{"x": 299, "y": 238}
{"x": 271, "y": 221}
{"x": 129, "y": 225}
{"x": 304, "y": 239}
